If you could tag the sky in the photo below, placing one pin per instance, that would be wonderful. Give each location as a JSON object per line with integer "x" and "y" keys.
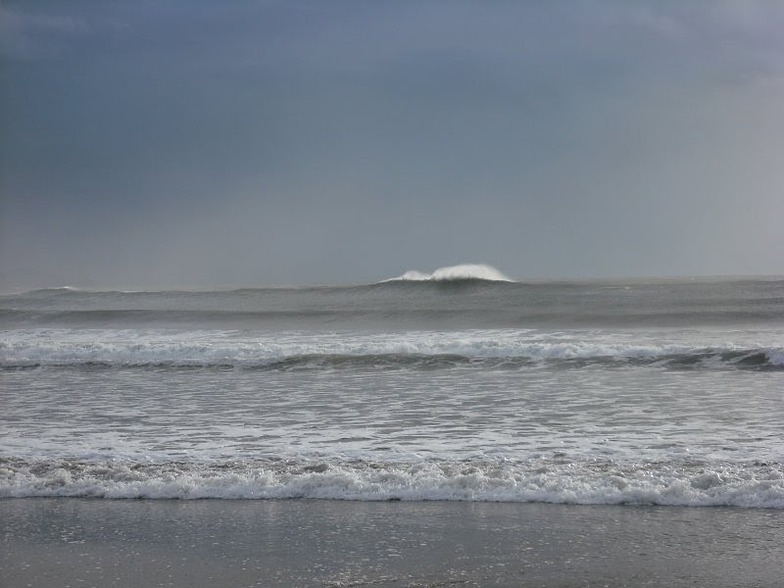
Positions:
{"x": 206, "y": 144}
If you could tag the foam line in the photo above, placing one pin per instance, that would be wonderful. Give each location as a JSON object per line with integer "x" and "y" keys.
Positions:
{"x": 751, "y": 485}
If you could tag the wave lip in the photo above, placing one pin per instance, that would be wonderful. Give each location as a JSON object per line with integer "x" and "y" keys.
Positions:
{"x": 455, "y": 273}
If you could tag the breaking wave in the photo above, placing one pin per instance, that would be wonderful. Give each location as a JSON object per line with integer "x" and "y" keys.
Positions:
{"x": 494, "y": 349}
{"x": 455, "y": 273}
{"x": 553, "y": 480}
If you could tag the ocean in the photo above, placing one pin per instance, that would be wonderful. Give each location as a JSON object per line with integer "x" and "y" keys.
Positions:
{"x": 452, "y": 388}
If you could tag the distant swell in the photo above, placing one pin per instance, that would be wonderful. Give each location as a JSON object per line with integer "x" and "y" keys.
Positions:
{"x": 555, "y": 480}
{"x": 458, "y": 297}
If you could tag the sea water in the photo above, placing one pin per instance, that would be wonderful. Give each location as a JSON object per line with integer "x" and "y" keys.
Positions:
{"x": 452, "y": 386}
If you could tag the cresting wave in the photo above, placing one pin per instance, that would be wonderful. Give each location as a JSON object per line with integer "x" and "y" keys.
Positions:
{"x": 553, "y": 480}
{"x": 494, "y": 349}
{"x": 463, "y": 272}
{"x": 760, "y": 360}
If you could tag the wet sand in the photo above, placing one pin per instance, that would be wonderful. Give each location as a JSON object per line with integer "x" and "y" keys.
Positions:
{"x": 92, "y": 542}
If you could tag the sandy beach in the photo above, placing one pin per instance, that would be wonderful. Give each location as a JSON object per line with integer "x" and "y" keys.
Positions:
{"x": 84, "y": 542}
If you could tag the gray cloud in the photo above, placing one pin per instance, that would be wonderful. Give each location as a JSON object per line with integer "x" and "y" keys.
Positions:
{"x": 281, "y": 142}
{"x": 25, "y": 35}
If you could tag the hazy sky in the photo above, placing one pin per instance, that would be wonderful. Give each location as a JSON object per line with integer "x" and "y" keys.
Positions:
{"x": 196, "y": 143}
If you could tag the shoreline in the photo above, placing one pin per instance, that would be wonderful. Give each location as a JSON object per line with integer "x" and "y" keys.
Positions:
{"x": 199, "y": 543}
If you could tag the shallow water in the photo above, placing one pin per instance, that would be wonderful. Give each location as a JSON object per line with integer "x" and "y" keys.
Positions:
{"x": 58, "y": 542}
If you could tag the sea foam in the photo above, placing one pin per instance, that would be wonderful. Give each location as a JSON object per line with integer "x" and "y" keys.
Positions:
{"x": 755, "y": 485}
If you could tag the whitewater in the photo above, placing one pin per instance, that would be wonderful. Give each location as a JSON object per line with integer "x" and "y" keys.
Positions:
{"x": 456, "y": 384}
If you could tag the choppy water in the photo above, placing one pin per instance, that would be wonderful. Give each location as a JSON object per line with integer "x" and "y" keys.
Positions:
{"x": 664, "y": 392}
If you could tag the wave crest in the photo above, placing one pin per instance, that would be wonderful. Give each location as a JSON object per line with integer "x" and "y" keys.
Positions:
{"x": 551, "y": 479}
{"x": 465, "y": 271}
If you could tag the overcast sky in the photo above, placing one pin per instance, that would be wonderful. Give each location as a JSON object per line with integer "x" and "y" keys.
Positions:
{"x": 198, "y": 144}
